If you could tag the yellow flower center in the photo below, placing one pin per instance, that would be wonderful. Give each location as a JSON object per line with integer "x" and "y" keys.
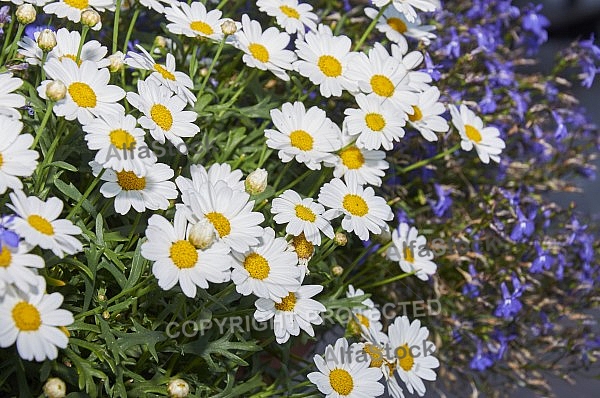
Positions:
{"x": 290, "y": 12}
{"x": 302, "y": 140}
{"x": 164, "y": 72}
{"x": 376, "y": 355}
{"x": 26, "y": 316}
{"x": 408, "y": 255}
{"x": 161, "y": 116}
{"x": 406, "y": 359}
{"x": 183, "y": 254}
{"x": 40, "y": 224}
{"x": 382, "y": 86}
{"x": 259, "y": 52}
{"x": 121, "y": 139}
{"x": 202, "y": 27}
{"x": 330, "y": 66}
{"x": 355, "y": 326}
{"x": 5, "y": 257}
{"x": 473, "y": 134}
{"x": 82, "y": 95}
{"x": 304, "y": 249}
{"x": 287, "y": 303}
{"x": 375, "y": 121}
{"x": 1, "y": 160}
{"x": 341, "y": 381}
{"x": 352, "y": 158}
{"x": 79, "y": 4}
{"x": 128, "y": 181}
{"x": 397, "y": 24}
{"x": 73, "y": 57}
{"x": 257, "y": 266}
{"x": 355, "y": 205}
{"x": 305, "y": 214}
{"x": 417, "y": 115}
{"x": 220, "y": 222}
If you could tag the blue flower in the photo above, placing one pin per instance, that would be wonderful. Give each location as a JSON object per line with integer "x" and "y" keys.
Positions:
{"x": 543, "y": 260}
{"x": 481, "y": 361}
{"x": 471, "y": 289}
{"x": 7, "y": 236}
{"x": 536, "y": 24}
{"x": 510, "y": 305}
{"x": 524, "y": 226}
{"x": 444, "y": 202}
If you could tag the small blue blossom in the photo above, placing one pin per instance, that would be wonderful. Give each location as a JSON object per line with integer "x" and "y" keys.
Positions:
{"x": 510, "y": 305}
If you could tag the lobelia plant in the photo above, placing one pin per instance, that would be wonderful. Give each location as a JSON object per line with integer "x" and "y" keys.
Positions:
{"x": 238, "y": 199}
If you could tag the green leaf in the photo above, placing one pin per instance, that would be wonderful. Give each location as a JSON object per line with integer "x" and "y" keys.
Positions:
{"x": 142, "y": 337}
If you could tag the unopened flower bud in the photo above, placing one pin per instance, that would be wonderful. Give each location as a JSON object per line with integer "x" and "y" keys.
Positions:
{"x": 25, "y": 14}
{"x": 46, "y": 40}
{"x": 178, "y": 388}
{"x": 160, "y": 42}
{"x": 116, "y": 61}
{"x": 228, "y": 27}
{"x": 384, "y": 237}
{"x": 337, "y": 270}
{"x": 90, "y": 17}
{"x": 55, "y": 388}
{"x": 340, "y": 239}
{"x": 202, "y": 234}
{"x": 56, "y": 90}
{"x": 256, "y": 182}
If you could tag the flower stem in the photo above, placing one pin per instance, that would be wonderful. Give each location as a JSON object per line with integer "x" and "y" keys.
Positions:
{"x": 389, "y": 280}
{"x": 369, "y": 28}
{"x": 425, "y": 162}
{"x": 130, "y": 29}
{"x": 84, "y": 32}
{"x": 85, "y": 195}
{"x": 40, "y": 129}
{"x": 115, "y": 36}
{"x": 211, "y": 67}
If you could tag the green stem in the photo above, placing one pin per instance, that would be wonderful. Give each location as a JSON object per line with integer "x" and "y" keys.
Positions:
{"x": 40, "y": 130}
{"x": 8, "y": 34}
{"x": 85, "y": 195}
{"x": 389, "y": 280}
{"x": 425, "y": 162}
{"x": 370, "y": 28}
{"x": 115, "y": 36}
{"x": 212, "y": 66}
{"x": 13, "y": 45}
{"x": 84, "y": 32}
{"x": 130, "y": 29}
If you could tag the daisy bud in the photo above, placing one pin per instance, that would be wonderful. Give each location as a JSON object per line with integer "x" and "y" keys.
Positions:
{"x": 116, "y": 61}
{"x": 202, "y": 234}
{"x": 56, "y": 90}
{"x": 384, "y": 237}
{"x": 46, "y": 40}
{"x": 178, "y": 388}
{"x": 256, "y": 182}
{"x": 55, "y": 388}
{"x": 25, "y": 14}
{"x": 228, "y": 27}
{"x": 160, "y": 42}
{"x": 340, "y": 239}
{"x": 337, "y": 270}
{"x": 90, "y": 17}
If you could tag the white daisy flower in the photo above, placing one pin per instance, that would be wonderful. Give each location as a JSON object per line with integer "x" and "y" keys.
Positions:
{"x": 88, "y": 91}
{"x": 264, "y": 50}
{"x": 411, "y": 251}
{"x": 39, "y": 225}
{"x": 72, "y": 9}
{"x": 16, "y": 159}
{"x": 37, "y": 3}
{"x": 120, "y": 144}
{"x": 426, "y": 115}
{"x": 156, "y": 5}
{"x": 9, "y": 101}
{"x": 396, "y": 27}
{"x": 200, "y": 176}
{"x": 268, "y": 270}
{"x": 152, "y": 190}
{"x": 301, "y": 216}
{"x": 230, "y": 213}
{"x": 325, "y": 59}
{"x": 381, "y": 75}
{"x": 413, "y": 353}
{"x": 409, "y": 7}
{"x": 377, "y": 347}
{"x": 363, "y": 211}
{"x": 364, "y": 165}
{"x": 67, "y": 45}
{"x": 343, "y": 374}
{"x": 486, "y": 140}
{"x": 377, "y": 123}
{"x": 35, "y": 323}
{"x": 291, "y": 15}
{"x": 176, "y": 260}
{"x": 194, "y": 20}
{"x": 163, "y": 113}
{"x": 304, "y": 250}
{"x": 363, "y": 318}
{"x": 297, "y": 311}
{"x": 29, "y": 49}
{"x": 178, "y": 82}
{"x": 19, "y": 267}
{"x": 308, "y": 136}
{"x": 415, "y": 79}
